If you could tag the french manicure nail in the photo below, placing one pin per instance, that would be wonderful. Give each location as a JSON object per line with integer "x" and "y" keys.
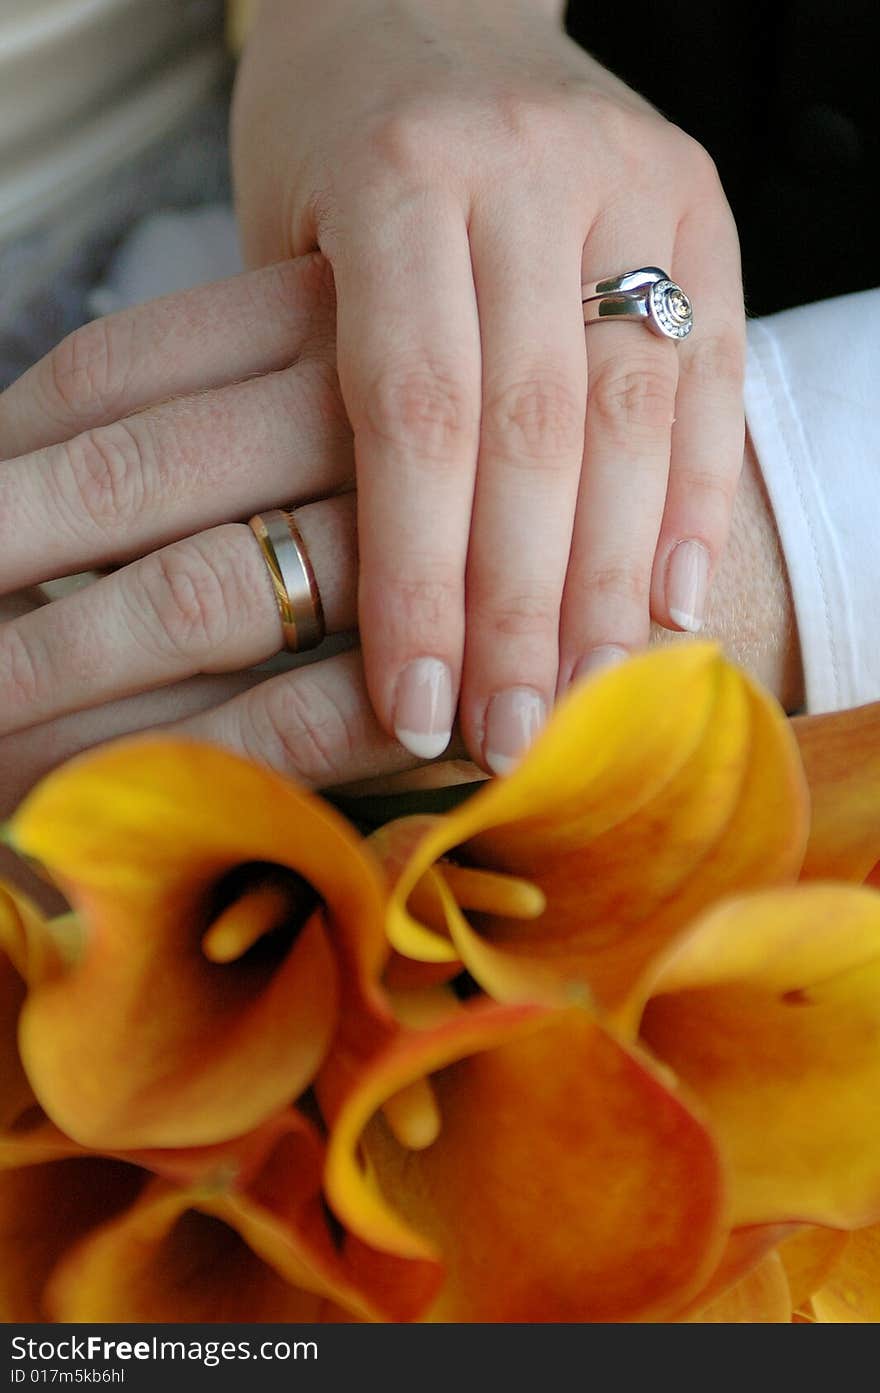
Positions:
{"x": 424, "y": 709}
{"x": 512, "y": 722}
{"x": 687, "y": 582}
{"x": 606, "y": 655}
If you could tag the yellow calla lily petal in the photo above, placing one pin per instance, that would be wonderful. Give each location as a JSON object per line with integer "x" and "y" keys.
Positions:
{"x": 399, "y": 845}
{"x": 29, "y": 954}
{"x": 851, "y": 1292}
{"x": 658, "y": 787}
{"x": 16, "y": 1094}
{"x": 32, "y": 1145}
{"x": 841, "y": 755}
{"x": 144, "y": 1041}
{"x": 166, "y": 1261}
{"x": 762, "y": 1297}
{"x": 37, "y": 948}
{"x": 768, "y": 1011}
{"x": 808, "y": 1258}
{"x": 256, "y": 1247}
{"x": 744, "y": 1250}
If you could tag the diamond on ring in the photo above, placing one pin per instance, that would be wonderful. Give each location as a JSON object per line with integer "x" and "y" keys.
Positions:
{"x": 669, "y": 310}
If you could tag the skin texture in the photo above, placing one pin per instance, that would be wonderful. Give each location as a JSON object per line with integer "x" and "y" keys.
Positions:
{"x": 462, "y": 194}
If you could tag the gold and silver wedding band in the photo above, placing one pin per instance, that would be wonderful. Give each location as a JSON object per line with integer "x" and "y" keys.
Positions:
{"x": 293, "y": 579}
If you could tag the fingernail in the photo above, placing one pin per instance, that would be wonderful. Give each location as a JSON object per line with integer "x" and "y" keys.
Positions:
{"x": 424, "y": 709}
{"x": 606, "y": 655}
{"x": 512, "y": 722}
{"x": 687, "y": 581}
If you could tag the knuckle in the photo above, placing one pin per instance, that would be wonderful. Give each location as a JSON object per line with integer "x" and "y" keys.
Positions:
{"x": 710, "y": 494}
{"x": 634, "y": 397}
{"x": 300, "y": 729}
{"x": 404, "y": 138}
{"x": 188, "y": 601}
{"x": 618, "y": 582}
{"x": 20, "y": 682}
{"x": 422, "y": 604}
{"x": 719, "y": 360}
{"x": 532, "y": 120}
{"x": 636, "y": 136}
{"x": 702, "y": 170}
{"x": 423, "y": 407}
{"x": 540, "y": 418}
{"x": 528, "y": 614}
{"x": 101, "y": 474}
{"x": 88, "y": 370}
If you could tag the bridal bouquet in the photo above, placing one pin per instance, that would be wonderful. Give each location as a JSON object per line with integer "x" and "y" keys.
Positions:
{"x": 601, "y": 1044}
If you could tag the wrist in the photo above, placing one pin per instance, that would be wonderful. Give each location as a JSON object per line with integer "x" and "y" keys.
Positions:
{"x": 304, "y": 19}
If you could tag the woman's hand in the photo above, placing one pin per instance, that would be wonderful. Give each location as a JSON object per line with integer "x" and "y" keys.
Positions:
{"x": 529, "y": 493}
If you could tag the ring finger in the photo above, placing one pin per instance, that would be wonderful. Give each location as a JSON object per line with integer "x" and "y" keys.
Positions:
{"x": 203, "y": 605}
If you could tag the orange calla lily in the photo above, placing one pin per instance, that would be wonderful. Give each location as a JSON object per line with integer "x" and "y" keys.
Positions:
{"x": 654, "y": 791}
{"x": 561, "y": 1155}
{"x": 168, "y": 1260}
{"x": 203, "y": 1016}
{"x": 45, "y": 1208}
{"x": 237, "y": 1229}
{"x": 237, "y": 1232}
{"x": 250, "y": 1208}
{"x": 768, "y": 1012}
{"x": 255, "y": 1245}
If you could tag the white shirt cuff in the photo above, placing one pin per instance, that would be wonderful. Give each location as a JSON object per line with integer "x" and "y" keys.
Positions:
{"x": 812, "y": 389}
